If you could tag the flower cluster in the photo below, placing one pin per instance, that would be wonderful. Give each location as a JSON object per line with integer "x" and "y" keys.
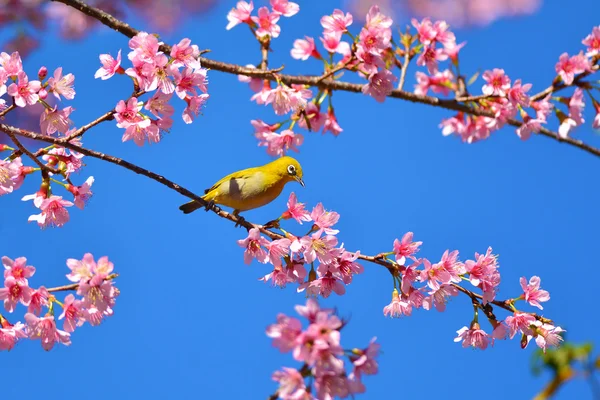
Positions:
{"x": 153, "y": 71}
{"x": 440, "y": 282}
{"x": 59, "y": 161}
{"x": 289, "y": 256}
{"x": 318, "y": 346}
{"x": 93, "y": 283}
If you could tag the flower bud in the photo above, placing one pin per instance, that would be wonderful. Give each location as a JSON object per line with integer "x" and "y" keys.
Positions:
{"x": 42, "y": 73}
{"x": 43, "y": 93}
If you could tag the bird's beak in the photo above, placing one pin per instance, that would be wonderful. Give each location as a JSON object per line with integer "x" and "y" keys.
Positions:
{"x": 300, "y": 181}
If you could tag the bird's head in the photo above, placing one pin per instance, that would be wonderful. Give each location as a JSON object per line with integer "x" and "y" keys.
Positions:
{"x": 291, "y": 169}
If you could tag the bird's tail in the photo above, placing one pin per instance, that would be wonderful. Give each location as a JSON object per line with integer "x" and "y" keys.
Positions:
{"x": 190, "y": 207}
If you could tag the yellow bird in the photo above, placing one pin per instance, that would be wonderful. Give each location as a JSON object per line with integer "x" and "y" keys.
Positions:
{"x": 250, "y": 188}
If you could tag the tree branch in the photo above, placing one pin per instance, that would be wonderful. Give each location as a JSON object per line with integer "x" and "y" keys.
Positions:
{"x": 317, "y": 81}
{"x": 380, "y": 259}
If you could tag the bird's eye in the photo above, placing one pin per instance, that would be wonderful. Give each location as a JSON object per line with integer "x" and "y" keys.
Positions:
{"x": 291, "y": 170}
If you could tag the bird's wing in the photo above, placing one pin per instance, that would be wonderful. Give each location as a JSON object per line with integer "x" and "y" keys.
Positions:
{"x": 246, "y": 173}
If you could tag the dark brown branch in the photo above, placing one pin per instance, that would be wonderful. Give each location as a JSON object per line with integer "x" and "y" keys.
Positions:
{"x": 45, "y": 169}
{"x": 7, "y": 110}
{"x": 316, "y": 81}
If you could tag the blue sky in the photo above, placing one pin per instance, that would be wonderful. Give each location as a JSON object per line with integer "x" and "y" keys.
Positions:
{"x": 191, "y": 316}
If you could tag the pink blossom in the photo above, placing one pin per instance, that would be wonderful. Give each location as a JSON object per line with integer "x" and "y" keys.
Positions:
{"x": 15, "y": 291}
{"x": 576, "y": 106}
{"x": 547, "y": 335}
{"x": 39, "y": 298}
{"x": 533, "y": 294}
{"x": 565, "y": 127}
{"x": 254, "y": 244}
{"x": 311, "y": 310}
{"x": 81, "y": 270}
{"x": 277, "y": 249}
{"x": 380, "y": 85}
{"x": 45, "y": 329}
{"x": 364, "y": 360}
{"x": 596, "y": 123}
{"x": 543, "y": 107}
{"x": 82, "y": 193}
{"x": 519, "y": 322}
{"x": 346, "y": 267}
{"x": 325, "y": 285}
{"x": 159, "y": 105}
{"x": 9, "y": 335}
{"x": 375, "y": 40}
{"x": 267, "y": 23}
{"x": 18, "y": 268}
{"x": 291, "y": 383}
{"x": 398, "y": 307}
{"x": 331, "y": 124}
{"x": 278, "y": 277}
{"x": 315, "y": 117}
{"x": 296, "y": 210}
{"x": 140, "y": 133}
{"x": 377, "y": 20}
{"x": 194, "y": 106}
{"x": 128, "y": 113}
{"x": 185, "y": 54}
{"x": 304, "y": 48}
{"x": 332, "y": 42}
{"x": 430, "y": 57}
{"x": 336, "y": 23}
{"x": 592, "y": 41}
{"x": 330, "y": 385}
{"x": 439, "y": 297}
{"x": 11, "y": 63}
{"x": 157, "y": 75}
{"x": 517, "y": 93}
{"x": 439, "y": 82}
{"x": 452, "y": 50}
{"x": 3, "y": 79}
{"x": 435, "y": 274}
{"x": 62, "y": 85}
{"x": 98, "y": 294}
{"x": 110, "y": 66}
{"x": 188, "y": 81}
{"x": 483, "y": 273}
{"x": 279, "y": 143}
{"x": 144, "y": 47}
{"x": 71, "y": 158}
{"x": 72, "y": 313}
{"x": 497, "y": 83}
{"x": 473, "y": 336}
{"x": 285, "y": 7}
{"x": 529, "y": 125}
{"x": 567, "y": 67}
{"x": 316, "y": 247}
{"x": 406, "y": 248}
{"x": 324, "y": 220}
{"x": 410, "y": 275}
{"x": 54, "y": 212}
{"x": 240, "y": 14}
{"x": 285, "y": 99}
{"x": 425, "y": 30}
{"x": 54, "y": 120}
{"x": 9, "y": 176}
{"x": 284, "y": 332}
{"x": 24, "y": 92}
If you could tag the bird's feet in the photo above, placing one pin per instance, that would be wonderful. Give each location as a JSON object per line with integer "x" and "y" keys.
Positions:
{"x": 272, "y": 224}
{"x": 209, "y": 205}
{"x": 240, "y": 221}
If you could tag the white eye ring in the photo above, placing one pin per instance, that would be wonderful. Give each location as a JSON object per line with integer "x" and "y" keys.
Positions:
{"x": 291, "y": 170}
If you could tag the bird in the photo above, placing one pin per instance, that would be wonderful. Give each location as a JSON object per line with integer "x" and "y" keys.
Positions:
{"x": 250, "y": 188}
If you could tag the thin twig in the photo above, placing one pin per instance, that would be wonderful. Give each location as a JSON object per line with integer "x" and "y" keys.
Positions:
{"x": 24, "y": 150}
{"x": 335, "y": 70}
{"x": 75, "y": 286}
{"x": 7, "y": 110}
{"x": 404, "y": 68}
